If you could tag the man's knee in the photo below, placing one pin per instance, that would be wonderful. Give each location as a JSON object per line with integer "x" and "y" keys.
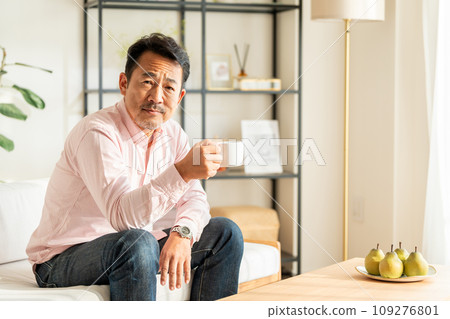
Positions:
{"x": 228, "y": 228}
{"x": 138, "y": 243}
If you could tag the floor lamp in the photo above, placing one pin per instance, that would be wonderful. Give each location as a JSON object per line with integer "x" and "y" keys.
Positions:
{"x": 347, "y": 10}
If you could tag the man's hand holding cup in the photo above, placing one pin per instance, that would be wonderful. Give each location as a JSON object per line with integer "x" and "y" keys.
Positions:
{"x": 202, "y": 161}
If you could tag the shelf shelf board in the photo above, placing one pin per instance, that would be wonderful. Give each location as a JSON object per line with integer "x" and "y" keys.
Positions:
{"x": 240, "y": 174}
{"x": 90, "y": 91}
{"x": 242, "y": 92}
{"x": 199, "y": 91}
{"x": 285, "y": 257}
{"x": 193, "y": 6}
{"x": 250, "y": 7}
{"x": 147, "y": 5}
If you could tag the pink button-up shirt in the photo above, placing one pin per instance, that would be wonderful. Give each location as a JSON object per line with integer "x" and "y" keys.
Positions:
{"x": 111, "y": 177}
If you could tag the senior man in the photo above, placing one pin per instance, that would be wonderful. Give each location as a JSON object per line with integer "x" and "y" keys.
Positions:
{"x": 122, "y": 169}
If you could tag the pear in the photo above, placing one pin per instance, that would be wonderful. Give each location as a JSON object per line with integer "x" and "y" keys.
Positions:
{"x": 373, "y": 259}
{"x": 402, "y": 253}
{"x": 416, "y": 265}
{"x": 391, "y": 266}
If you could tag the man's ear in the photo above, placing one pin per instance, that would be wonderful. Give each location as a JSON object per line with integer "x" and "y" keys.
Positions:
{"x": 123, "y": 83}
{"x": 182, "y": 94}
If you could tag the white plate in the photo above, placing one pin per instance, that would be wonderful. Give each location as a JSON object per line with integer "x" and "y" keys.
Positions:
{"x": 431, "y": 273}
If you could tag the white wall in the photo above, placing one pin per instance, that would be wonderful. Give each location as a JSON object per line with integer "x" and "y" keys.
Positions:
{"x": 388, "y": 134}
{"x": 391, "y": 136}
{"x": 372, "y": 125}
{"x": 45, "y": 33}
{"x": 411, "y": 130}
{"x": 322, "y": 113}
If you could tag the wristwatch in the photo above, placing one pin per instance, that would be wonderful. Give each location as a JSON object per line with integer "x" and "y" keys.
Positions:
{"x": 184, "y": 231}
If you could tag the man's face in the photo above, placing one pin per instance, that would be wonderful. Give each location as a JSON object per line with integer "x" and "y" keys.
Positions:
{"x": 153, "y": 91}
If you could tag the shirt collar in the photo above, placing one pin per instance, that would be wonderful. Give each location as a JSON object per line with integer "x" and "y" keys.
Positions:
{"x": 137, "y": 135}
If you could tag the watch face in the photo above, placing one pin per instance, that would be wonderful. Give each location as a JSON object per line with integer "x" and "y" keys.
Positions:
{"x": 186, "y": 231}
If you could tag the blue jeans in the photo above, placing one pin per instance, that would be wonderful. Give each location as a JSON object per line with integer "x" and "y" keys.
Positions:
{"x": 129, "y": 260}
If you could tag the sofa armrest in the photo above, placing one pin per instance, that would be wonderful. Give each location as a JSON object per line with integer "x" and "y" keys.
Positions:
{"x": 252, "y": 284}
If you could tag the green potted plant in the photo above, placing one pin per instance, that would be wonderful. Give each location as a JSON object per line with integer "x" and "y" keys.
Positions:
{"x": 8, "y": 106}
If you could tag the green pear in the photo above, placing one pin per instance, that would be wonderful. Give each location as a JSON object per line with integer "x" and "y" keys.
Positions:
{"x": 373, "y": 259}
{"x": 416, "y": 265}
{"x": 401, "y": 253}
{"x": 391, "y": 266}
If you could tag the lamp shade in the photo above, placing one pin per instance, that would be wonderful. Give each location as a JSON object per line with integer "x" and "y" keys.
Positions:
{"x": 347, "y": 9}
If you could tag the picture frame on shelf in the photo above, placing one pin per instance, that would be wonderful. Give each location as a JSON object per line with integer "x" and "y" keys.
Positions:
{"x": 218, "y": 72}
{"x": 262, "y": 147}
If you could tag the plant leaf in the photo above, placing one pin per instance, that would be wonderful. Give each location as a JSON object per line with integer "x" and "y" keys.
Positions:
{"x": 31, "y": 66}
{"x": 6, "y": 143}
{"x": 31, "y": 97}
{"x": 10, "y": 110}
{"x": 3, "y": 72}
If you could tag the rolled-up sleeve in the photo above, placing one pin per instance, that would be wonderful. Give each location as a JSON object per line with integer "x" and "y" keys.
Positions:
{"x": 193, "y": 209}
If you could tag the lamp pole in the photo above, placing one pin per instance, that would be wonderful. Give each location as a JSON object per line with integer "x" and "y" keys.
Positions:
{"x": 347, "y": 10}
{"x": 346, "y": 134}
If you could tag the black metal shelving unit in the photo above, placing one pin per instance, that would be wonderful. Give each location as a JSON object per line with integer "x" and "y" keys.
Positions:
{"x": 204, "y": 7}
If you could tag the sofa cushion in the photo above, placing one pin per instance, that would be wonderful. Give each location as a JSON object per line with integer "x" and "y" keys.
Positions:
{"x": 258, "y": 261}
{"x": 20, "y": 211}
{"x": 17, "y": 281}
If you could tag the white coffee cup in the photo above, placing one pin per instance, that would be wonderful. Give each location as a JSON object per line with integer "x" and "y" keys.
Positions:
{"x": 232, "y": 153}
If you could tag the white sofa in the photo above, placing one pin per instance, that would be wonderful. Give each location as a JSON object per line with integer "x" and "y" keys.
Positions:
{"x": 20, "y": 210}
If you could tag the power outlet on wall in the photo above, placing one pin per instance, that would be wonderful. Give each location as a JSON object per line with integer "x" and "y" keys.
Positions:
{"x": 358, "y": 209}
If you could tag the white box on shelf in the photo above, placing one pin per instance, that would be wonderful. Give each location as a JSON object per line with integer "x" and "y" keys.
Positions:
{"x": 248, "y": 84}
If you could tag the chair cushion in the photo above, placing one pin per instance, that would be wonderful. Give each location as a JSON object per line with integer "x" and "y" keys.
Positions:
{"x": 256, "y": 223}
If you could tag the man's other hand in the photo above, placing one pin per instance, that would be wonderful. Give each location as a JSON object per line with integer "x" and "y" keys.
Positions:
{"x": 202, "y": 161}
{"x": 174, "y": 260}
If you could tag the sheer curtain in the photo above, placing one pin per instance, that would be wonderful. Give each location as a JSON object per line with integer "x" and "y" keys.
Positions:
{"x": 436, "y": 26}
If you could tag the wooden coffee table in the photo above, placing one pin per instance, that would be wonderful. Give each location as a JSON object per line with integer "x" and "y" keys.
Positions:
{"x": 342, "y": 282}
